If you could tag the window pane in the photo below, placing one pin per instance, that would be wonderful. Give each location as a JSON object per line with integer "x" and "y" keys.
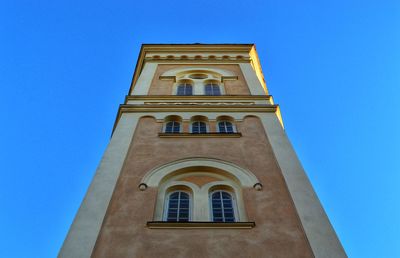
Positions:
{"x": 222, "y": 207}
{"x": 208, "y": 90}
{"x": 184, "y": 90}
{"x": 199, "y": 127}
{"x": 178, "y": 207}
{"x": 216, "y": 90}
{"x": 188, "y": 89}
{"x": 221, "y": 127}
{"x": 216, "y": 196}
{"x": 181, "y": 90}
{"x": 225, "y": 195}
{"x": 184, "y": 196}
{"x": 174, "y": 195}
{"x": 173, "y": 204}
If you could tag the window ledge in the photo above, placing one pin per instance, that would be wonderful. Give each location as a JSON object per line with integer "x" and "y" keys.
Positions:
{"x": 200, "y": 224}
{"x": 199, "y": 135}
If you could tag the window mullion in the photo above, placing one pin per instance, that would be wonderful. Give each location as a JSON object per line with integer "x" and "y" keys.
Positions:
{"x": 179, "y": 206}
{"x": 223, "y": 207}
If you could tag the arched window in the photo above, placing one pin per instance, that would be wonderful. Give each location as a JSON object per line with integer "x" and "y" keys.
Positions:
{"x": 173, "y": 127}
{"x": 225, "y": 127}
{"x": 177, "y": 207}
{"x": 199, "y": 127}
{"x": 172, "y": 124}
{"x": 185, "y": 89}
{"x": 222, "y": 206}
{"x": 212, "y": 89}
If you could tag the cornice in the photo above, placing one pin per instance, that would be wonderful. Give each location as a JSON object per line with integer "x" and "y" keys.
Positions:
{"x": 151, "y": 108}
{"x": 176, "y": 98}
{"x": 132, "y": 108}
{"x": 196, "y": 61}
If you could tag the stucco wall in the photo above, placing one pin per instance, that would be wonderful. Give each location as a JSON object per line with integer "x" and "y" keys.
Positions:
{"x": 278, "y": 232}
{"x": 165, "y": 87}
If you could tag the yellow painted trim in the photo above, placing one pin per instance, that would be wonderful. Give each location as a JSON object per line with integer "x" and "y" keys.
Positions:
{"x": 174, "y": 48}
{"x": 201, "y": 97}
{"x": 197, "y": 108}
{"x": 229, "y": 78}
{"x": 167, "y": 78}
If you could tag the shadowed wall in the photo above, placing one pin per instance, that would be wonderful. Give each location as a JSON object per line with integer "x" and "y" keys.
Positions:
{"x": 278, "y": 232}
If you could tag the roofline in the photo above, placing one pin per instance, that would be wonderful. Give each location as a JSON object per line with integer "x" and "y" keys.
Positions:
{"x": 187, "y": 47}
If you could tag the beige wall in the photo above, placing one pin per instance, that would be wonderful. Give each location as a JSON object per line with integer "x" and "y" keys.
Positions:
{"x": 278, "y": 232}
{"x": 165, "y": 87}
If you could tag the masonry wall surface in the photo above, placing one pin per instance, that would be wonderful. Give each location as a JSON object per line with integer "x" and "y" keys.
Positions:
{"x": 278, "y": 231}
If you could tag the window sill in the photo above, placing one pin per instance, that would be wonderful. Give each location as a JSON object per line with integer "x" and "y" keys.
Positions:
{"x": 200, "y": 224}
{"x": 200, "y": 135}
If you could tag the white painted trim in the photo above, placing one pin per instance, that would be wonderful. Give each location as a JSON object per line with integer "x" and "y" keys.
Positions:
{"x": 86, "y": 226}
{"x": 252, "y": 80}
{"x": 234, "y": 204}
{"x": 166, "y": 203}
{"x": 245, "y": 177}
{"x": 142, "y": 85}
{"x": 197, "y": 69}
{"x": 163, "y": 191}
{"x": 318, "y": 229}
{"x": 200, "y": 196}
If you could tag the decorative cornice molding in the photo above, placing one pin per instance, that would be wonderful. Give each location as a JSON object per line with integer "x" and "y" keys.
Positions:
{"x": 151, "y": 108}
{"x": 191, "y": 48}
{"x": 197, "y": 108}
{"x": 200, "y": 97}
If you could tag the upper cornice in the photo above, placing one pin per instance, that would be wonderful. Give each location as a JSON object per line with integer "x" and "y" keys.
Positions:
{"x": 197, "y": 48}
{"x": 197, "y": 97}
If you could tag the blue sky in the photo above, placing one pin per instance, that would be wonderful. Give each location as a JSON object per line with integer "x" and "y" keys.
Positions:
{"x": 333, "y": 66}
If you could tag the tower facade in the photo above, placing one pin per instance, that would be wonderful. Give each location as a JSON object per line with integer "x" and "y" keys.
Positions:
{"x": 199, "y": 165}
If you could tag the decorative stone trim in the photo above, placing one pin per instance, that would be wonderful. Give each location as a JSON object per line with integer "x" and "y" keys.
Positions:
{"x": 258, "y": 186}
{"x": 142, "y": 187}
{"x": 199, "y": 135}
{"x": 200, "y": 225}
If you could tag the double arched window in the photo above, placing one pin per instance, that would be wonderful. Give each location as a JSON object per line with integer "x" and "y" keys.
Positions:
{"x": 178, "y": 207}
{"x": 198, "y": 82}
{"x": 185, "y": 89}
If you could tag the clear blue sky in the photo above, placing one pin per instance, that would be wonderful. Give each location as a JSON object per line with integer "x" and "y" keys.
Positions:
{"x": 333, "y": 66}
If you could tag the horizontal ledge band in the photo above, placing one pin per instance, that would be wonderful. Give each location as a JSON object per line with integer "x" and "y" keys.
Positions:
{"x": 199, "y": 135}
{"x": 197, "y": 108}
{"x": 176, "y": 97}
{"x": 200, "y": 224}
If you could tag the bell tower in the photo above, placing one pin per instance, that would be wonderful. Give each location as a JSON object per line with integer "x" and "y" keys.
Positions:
{"x": 199, "y": 165}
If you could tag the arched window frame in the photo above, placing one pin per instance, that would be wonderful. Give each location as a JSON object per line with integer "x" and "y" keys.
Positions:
{"x": 184, "y": 89}
{"x": 212, "y": 89}
{"x": 167, "y": 206}
{"x": 193, "y": 123}
{"x": 225, "y": 126}
{"x": 233, "y": 202}
{"x": 173, "y": 176}
{"x": 175, "y": 126}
